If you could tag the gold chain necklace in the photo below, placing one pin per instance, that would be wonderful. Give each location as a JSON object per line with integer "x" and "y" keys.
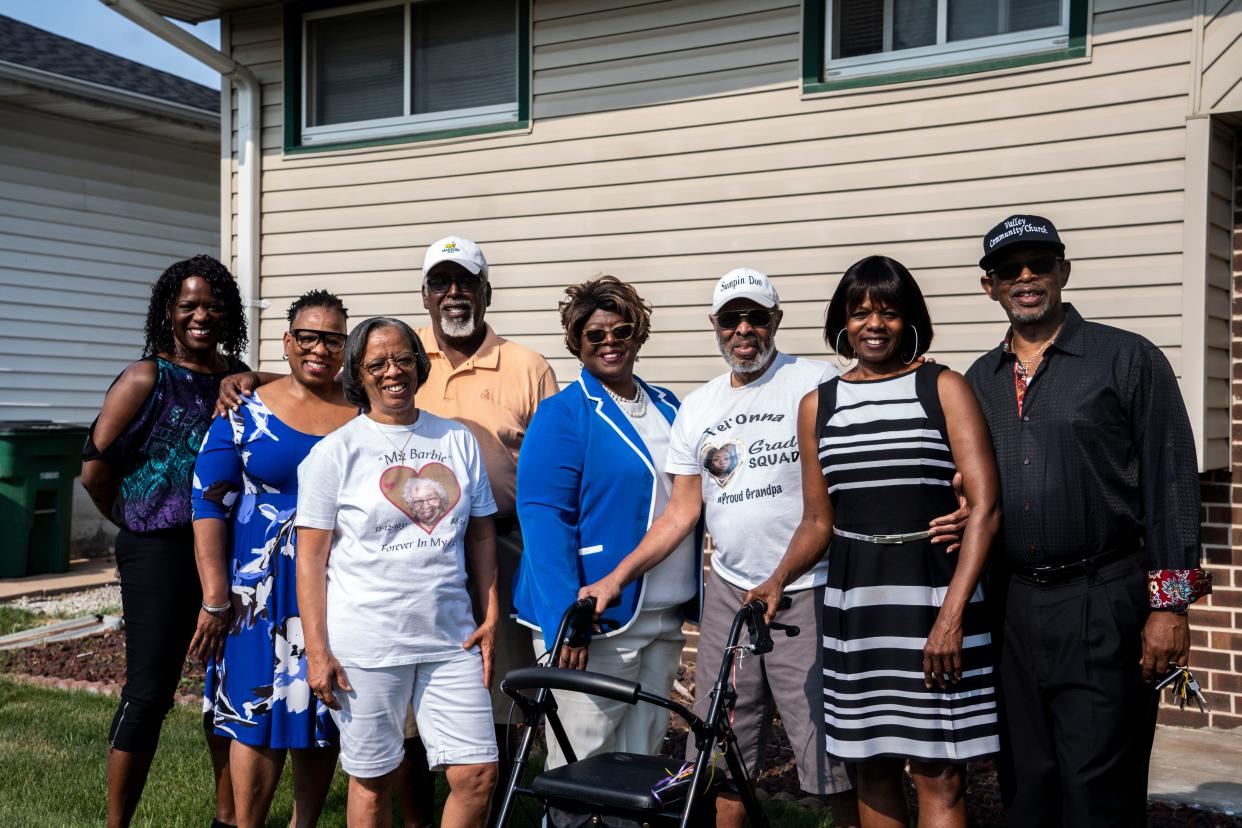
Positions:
{"x": 1024, "y": 365}
{"x": 384, "y": 434}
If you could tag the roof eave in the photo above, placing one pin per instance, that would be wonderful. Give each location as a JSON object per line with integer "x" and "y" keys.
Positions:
{"x": 101, "y": 93}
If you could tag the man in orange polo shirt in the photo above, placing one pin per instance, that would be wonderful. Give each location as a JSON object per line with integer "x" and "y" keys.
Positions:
{"x": 492, "y": 386}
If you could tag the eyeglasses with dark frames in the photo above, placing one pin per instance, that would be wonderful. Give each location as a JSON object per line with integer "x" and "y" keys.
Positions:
{"x": 620, "y": 333}
{"x": 1039, "y": 265}
{"x": 404, "y": 362}
{"x": 757, "y": 317}
{"x": 466, "y": 282}
{"x": 308, "y": 338}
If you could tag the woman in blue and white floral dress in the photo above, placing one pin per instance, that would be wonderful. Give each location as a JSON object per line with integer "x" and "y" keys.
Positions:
{"x": 245, "y": 495}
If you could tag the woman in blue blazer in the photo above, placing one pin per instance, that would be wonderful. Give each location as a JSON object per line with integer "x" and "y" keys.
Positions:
{"x": 590, "y": 481}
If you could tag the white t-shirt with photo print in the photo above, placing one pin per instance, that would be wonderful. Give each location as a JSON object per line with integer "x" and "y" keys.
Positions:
{"x": 397, "y": 500}
{"x": 743, "y": 443}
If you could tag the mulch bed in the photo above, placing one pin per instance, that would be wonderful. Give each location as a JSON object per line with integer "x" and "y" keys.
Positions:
{"x": 97, "y": 663}
{"x": 94, "y": 660}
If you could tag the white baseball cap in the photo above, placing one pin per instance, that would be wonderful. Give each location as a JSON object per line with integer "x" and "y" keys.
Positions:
{"x": 744, "y": 283}
{"x": 456, "y": 249}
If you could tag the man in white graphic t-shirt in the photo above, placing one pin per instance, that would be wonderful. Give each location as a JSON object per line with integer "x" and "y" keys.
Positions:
{"x": 733, "y": 451}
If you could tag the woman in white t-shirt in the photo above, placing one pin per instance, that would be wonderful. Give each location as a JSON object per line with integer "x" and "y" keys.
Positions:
{"x": 590, "y": 481}
{"x": 382, "y": 581}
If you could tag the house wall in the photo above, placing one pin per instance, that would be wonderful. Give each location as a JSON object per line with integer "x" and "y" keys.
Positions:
{"x": 89, "y": 217}
{"x": 1221, "y": 85}
{"x": 671, "y": 142}
{"x": 1216, "y": 622}
{"x": 691, "y": 150}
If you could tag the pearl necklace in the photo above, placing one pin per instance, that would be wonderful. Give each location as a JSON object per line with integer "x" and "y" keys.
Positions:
{"x": 636, "y": 407}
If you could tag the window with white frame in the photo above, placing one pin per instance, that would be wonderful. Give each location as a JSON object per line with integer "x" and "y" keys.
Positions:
{"x": 872, "y": 37}
{"x": 397, "y": 67}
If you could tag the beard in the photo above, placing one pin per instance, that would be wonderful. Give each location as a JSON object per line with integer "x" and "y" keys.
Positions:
{"x": 459, "y": 328}
{"x": 1022, "y": 315}
{"x": 764, "y": 352}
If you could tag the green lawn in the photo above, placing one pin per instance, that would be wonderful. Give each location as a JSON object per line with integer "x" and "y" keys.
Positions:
{"x": 53, "y": 758}
{"x": 15, "y": 619}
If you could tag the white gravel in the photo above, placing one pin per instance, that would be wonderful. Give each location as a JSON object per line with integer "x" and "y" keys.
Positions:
{"x": 73, "y": 604}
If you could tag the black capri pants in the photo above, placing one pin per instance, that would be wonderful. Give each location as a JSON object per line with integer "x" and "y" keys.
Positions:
{"x": 160, "y": 599}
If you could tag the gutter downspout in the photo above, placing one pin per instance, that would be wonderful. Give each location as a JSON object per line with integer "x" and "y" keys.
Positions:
{"x": 249, "y": 156}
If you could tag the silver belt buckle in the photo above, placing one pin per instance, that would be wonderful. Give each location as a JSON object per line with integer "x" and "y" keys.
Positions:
{"x": 889, "y": 539}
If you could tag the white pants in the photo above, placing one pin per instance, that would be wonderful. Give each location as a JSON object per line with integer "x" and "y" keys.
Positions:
{"x": 451, "y": 705}
{"x": 648, "y": 653}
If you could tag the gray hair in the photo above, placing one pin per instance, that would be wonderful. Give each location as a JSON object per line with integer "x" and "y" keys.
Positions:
{"x": 356, "y": 351}
{"x": 425, "y": 483}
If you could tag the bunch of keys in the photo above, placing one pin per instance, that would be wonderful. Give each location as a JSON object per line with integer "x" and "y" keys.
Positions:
{"x": 1182, "y": 687}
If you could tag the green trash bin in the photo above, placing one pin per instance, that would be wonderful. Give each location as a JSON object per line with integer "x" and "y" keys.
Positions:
{"x": 38, "y": 463}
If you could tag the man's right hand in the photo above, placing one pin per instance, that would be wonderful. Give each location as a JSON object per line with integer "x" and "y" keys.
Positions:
{"x": 605, "y": 591}
{"x": 770, "y": 593}
{"x": 232, "y": 390}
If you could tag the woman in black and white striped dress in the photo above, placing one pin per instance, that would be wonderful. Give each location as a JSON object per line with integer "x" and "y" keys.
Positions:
{"x": 907, "y": 654}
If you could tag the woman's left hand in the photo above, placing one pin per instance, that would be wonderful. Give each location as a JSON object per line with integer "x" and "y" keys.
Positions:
{"x": 484, "y": 637}
{"x": 942, "y": 654}
{"x": 208, "y": 641}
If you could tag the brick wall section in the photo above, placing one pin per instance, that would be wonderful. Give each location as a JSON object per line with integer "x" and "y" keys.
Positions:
{"x": 1216, "y": 623}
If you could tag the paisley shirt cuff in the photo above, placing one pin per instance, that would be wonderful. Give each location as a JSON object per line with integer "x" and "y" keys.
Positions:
{"x": 1175, "y": 589}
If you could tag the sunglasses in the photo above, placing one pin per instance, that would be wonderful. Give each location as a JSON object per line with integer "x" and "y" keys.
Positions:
{"x": 377, "y": 367}
{"x": 620, "y": 333}
{"x": 757, "y": 317}
{"x": 1039, "y": 265}
{"x": 466, "y": 282}
{"x": 307, "y": 339}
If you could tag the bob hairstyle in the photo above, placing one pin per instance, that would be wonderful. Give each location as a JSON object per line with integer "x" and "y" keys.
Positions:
{"x": 356, "y": 352}
{"x": 887, "y": 282}
{"x": 164, "y": 293}
{"x": 603, "y": 293}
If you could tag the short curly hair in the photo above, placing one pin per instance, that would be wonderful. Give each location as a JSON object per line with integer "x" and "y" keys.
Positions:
{"x": 603, "y": 293}
{"x": 164, "y": 293}
{"x": 316, "y": 299}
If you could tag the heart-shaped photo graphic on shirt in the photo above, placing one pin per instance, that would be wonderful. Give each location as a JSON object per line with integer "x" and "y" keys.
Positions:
{"x": 424, "y": 495}
{"x": 722, "y": 461}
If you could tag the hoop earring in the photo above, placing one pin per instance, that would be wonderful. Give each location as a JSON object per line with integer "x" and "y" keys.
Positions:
{"x": 837, "y": 348}
{"x": 915, "y": 352}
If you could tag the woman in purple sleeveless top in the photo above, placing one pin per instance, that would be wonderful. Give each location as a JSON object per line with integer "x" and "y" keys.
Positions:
{"x": 138, "y": 469}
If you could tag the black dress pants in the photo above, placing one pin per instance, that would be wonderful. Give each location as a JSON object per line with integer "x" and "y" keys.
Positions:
{"x": 160, "y": 600}
{"x": 1078, "y": 719}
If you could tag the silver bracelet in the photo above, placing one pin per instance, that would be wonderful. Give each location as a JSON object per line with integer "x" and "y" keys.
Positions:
{"x": 220, "y": 610}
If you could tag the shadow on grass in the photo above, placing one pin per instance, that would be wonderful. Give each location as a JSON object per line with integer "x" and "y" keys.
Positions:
{"x": 53, "y": 763}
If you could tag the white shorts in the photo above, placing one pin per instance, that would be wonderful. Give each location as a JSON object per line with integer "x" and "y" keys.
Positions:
{"x": 452, "y": 707}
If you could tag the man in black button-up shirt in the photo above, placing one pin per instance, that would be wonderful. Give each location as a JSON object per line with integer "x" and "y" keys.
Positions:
{"x": 1101, "y": 538}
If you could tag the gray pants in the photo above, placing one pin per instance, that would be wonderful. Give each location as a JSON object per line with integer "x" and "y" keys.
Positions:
{"x": 789, "y": 680}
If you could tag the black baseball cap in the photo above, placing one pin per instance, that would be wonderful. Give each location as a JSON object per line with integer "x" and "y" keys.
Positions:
{"x": 1019, "y": 230}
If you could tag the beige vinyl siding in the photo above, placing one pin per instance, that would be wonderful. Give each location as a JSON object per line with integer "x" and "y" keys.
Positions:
{"x": 1221, "y": 89}
{"x": 671, "y": 142}
{"x": 1219, "y": 274}
{"x": 89, "y": 217}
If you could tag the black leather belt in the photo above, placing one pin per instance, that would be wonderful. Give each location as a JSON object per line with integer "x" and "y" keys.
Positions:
{"x": 1064, "y": 573}
{"x": 506, "y": 524}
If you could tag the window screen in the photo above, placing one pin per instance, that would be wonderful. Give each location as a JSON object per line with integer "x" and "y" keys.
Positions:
{"x": 984, "y": 18}
{"x": 355, "y": 67}
{"x": 465, "y": 54}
